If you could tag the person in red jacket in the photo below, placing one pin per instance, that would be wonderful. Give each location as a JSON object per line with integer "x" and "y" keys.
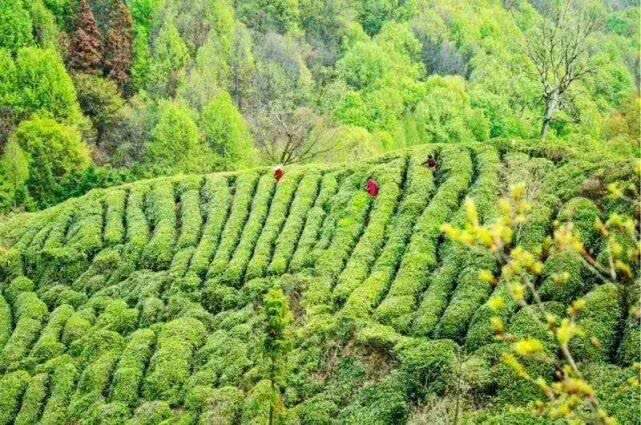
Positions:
{"x": 372, "y": 188}
{"x": 279, "y": 173}
{"x": 431, "y": 163}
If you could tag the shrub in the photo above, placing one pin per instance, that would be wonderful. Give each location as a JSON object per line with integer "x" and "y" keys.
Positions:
{"x": 118, "y": 317}
{"x": 49, "y": 345}
{"x": 244, "y": 192}
{"x": 63, "y": 381}
{"x": 96, "y": 344}
{"x": 33, "y": 400}
{"x": 158, "y": 253}
{"x": 16, "y": 287}
{"x": 601, "y": 321}
{"x": 84, "y": 235}
{"x": 222, "y": 360}
{"x": 170, "y": 365}
{"x": 372, "y": 238}
{"x": 137, "y": 227}
{"x": 256, "y": 406}
{"x": 30, "y": 314}
{"x": 191, "y": 218}
{"x": 314, "y": 220}
{"x": 349, "y": 214}
{"x": 93, "y": 384}
{"x": 583, "y": 214}
{"x": 469, "y": 295}
{"x": 54, "y": 151}
{"x": 380, "y": 403}
{"x": 222, "y": 406}
{"x": 178, "y": 268}
{"x": 420, "y": 253}
{"x": 616, "y": 395}
{"x": 150, "y": 413}
{"x": 12, "y": 386}
{"x": 217, "y": 297}
{"x": 279, "y": 212}
{"x": 427, "y": 366}
{"x": 116, "y": 202}
{"x": 235, "y": 270}
{"x": 378, "y": 336}
{"x": 77, "y": 326}
{"x": 217, "y": 200}
{"x": 435, "y": 298}
{"x": 6, "y": 321}
{"x": 630, "y": 347}
{"x": 58, "y": 295}
{"x": 304, "y": 198}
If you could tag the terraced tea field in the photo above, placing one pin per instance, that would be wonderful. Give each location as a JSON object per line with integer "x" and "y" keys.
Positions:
{"x": 143, "y": 303}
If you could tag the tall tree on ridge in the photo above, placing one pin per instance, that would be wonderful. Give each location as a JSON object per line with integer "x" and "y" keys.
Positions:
{"x": 85, "y": 52}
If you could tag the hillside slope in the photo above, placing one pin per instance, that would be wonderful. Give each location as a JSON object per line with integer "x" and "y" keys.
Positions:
{"x": 144, "y": 302}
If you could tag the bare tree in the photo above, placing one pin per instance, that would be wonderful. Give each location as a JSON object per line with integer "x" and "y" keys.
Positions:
{"x": 560, "y": 51}
{"x": 286, "y": 137}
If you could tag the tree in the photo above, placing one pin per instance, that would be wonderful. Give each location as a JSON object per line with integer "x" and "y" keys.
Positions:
{"x": 287, "y": 137}
{"x": 270, "y": 15}
{"x": 227, "y": 133}
{"x": 54, "y": 151}
{"x": 280, "y": 111}
{"x": 176, "y": 145}
{"x": 15, "y": 25}
{"x": 100, "y": 100}
{"x": 242, "y": 66}
{"x": 45, "y": 29}
{"x": 445, "y": 114}
{"x": 44, "y": 87}
{"x": 85, "y": 51}
{"x": 170, "y": 59}
{"x": 15, "y": 168}
{"x": 118, "y": 46}
{"x": 560, "y": 51}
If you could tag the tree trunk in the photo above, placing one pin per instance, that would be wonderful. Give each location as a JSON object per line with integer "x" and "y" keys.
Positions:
{"x": 551, "y": 107}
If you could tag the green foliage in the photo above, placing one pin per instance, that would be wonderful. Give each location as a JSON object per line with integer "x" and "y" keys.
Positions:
{"x": 16, "y": 27}
{"x": 12, "y": 385}
{"x": 170, "y": 300}
{"x": 446, "y": 115}
{"x": 169, "y": 366}
{"x": 54, "y": 151}
{"x": 602, "y": 319}
{"x": 176, "y": 144}
{"x": 43, "y": 87}
{"x": 227, "y": 134}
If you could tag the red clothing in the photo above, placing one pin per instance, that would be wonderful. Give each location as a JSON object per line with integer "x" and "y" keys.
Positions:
{"x": 279, "y": 173}
{"x": 373, "y": 188}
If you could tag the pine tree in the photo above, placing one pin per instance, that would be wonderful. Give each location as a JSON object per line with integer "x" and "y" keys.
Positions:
{"x": 118, "y": 46}
{"x": 86, "y": 46}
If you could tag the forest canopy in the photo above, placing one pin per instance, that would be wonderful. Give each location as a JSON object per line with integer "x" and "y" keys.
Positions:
{"x": 220, "y": 85}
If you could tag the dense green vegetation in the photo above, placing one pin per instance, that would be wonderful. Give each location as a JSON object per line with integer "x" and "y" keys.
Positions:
{"x": 127, "y": 89}
{"x": 156, "y": 269}
{"x": 230, "y": 298}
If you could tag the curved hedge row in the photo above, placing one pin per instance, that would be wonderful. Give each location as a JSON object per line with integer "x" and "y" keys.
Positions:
{"x": 144, "y": 303}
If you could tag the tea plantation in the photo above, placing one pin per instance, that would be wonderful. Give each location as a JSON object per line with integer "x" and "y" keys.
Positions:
{"x": 146, "y": 303}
